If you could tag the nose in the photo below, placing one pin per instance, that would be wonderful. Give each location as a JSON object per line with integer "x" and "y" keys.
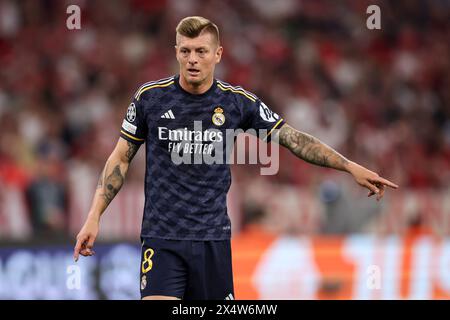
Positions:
{"x": 192, "y": 60}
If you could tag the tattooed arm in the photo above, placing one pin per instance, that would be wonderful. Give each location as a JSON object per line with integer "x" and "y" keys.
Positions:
{"x": 113, "y": 175}
{"x": 312, "y": 150}
{"x": 110, "y": 181}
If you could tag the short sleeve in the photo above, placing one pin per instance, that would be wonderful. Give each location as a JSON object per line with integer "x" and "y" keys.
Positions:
{"x": 134, "y": 126}
{"x": 259, "y": 117}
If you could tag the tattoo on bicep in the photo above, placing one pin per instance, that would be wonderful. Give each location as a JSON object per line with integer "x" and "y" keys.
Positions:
{"x": 113, "y": 183}
{"x": 310, "y": 149}
{"x": 132, "y": 150}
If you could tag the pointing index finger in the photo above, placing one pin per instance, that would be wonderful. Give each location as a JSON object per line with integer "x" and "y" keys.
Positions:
{"x": 76, "y": 251}
{"x": 386, "y": 182}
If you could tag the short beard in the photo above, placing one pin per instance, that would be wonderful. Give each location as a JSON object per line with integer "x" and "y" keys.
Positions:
{"x": 196, "y": 83}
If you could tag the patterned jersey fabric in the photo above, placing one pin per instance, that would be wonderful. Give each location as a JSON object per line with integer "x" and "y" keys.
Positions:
{"x": 188, "y": 139}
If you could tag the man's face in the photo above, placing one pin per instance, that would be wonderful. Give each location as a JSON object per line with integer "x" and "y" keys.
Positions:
{"x": 197, "y": 57}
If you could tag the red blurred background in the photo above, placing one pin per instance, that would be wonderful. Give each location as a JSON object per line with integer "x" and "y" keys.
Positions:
{"x": 380, "y": 97}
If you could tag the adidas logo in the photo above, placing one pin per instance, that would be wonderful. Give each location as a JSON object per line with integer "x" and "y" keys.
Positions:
{"x": 168, "y": 115}
{"x": 229, "y": 297}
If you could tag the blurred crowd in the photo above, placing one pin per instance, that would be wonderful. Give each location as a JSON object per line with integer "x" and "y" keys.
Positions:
{"x": 380, "y": 97}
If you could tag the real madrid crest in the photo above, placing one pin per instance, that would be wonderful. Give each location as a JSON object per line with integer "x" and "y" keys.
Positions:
{"x": 143, "y": 282}
{"x": 218, "y": 117}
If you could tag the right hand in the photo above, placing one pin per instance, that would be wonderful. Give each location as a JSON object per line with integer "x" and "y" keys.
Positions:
{"x": 85, "y": 239}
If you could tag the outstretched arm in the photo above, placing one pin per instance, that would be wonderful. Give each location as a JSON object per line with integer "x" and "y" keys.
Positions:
{"x": 109, "y": 184}
{"x": 312, "y": 150}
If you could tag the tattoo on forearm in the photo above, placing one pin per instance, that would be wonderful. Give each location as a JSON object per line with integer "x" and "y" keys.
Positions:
{"x": 112, "y": 184}
{"x": 310, "y": 149}
{"x": 132, "y": 150}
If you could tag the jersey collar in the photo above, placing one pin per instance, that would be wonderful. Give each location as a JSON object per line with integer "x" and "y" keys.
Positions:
{"x": 195, "y": 96}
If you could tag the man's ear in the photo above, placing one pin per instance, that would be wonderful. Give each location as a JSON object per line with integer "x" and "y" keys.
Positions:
{"x": 219, "y": 54}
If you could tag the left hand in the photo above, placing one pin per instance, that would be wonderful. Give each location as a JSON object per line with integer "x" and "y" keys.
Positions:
{"x": 370, "y": 180}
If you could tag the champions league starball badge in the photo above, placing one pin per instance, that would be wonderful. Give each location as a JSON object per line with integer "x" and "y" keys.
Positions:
{"x": 131, "y": 112}
{"x": 218, "y": 117}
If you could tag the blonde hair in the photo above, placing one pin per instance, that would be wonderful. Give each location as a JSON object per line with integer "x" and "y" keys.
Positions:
{"x": 192, "y": 27}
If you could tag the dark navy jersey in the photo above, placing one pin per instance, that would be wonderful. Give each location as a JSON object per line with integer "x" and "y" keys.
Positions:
{"x": 187, "y": 176}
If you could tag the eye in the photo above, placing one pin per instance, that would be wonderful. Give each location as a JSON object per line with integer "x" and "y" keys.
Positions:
{"x": 201, "y": 52}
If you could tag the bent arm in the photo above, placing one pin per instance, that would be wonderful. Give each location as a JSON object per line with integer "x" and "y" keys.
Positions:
{"x": 311, "y": 149}
{"x": 112, "y": 177}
